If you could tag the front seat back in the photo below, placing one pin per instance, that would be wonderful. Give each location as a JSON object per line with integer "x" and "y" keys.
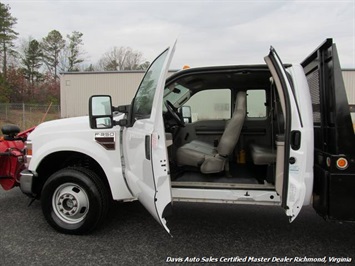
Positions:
{"x": 207, "y": 157}
{"x": 232, "y": 131}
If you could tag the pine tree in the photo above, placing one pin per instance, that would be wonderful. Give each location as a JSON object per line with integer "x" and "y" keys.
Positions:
{"x": 32, "y": 61}
{"x": 52, "y": 45}
{"x": 7, "y": 35}
{"x": 74, "y": 50}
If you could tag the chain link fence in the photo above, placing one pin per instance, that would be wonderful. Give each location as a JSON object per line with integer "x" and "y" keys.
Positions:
{"x": 27, "y": 115}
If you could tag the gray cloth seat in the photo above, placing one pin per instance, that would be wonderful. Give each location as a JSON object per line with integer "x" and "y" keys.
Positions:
{"x": 194, "y": 153}
{"x": 212, "y": 159}
{"x": 262, "y": 155}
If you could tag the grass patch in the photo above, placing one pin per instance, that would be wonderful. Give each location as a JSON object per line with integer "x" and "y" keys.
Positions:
{"x": 28, "y": 119}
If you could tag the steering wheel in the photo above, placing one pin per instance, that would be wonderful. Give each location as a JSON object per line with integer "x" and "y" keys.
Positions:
{"x": 173, "y": 112}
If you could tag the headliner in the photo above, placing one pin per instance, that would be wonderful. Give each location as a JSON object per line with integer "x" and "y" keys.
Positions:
{"x": 233, "y": 77}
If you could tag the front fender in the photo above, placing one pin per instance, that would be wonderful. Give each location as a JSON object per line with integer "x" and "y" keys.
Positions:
{"x": 43, "y": 145}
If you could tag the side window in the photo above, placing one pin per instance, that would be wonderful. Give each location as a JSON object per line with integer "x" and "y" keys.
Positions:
{"x": 210, "y": 105}
{"x": 256, "y": 100}
{"x": 143, "y": 101}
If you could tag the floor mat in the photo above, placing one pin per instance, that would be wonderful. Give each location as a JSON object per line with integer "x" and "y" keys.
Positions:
{"x": 238, "y": 174}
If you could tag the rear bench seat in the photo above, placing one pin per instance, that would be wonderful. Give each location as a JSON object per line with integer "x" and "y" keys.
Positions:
{"x": 262, "y": 155}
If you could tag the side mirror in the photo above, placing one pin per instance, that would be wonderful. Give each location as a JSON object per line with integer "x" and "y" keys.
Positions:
{"x": 100, "y": 111}
{"x": 185, "y": 112}
{"x": 123, "y": 109}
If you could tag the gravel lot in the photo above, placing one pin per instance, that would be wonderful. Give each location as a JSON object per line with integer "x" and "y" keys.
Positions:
{"x": 204, "y": 232}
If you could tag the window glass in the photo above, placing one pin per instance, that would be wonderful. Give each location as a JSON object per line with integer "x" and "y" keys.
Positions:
{"x": 256, "y": 100}
{"x": 210, "y": 105}
{"x": 143, "y": 101}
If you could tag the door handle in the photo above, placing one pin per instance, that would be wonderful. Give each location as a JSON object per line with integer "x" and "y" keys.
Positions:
{"x": 295, "y": 139}
{"x": 147, "y": 147}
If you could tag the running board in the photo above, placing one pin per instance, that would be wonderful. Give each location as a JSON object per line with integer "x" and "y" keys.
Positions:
{"x": 211, "y": 185}
{"x": 233, "y": 196}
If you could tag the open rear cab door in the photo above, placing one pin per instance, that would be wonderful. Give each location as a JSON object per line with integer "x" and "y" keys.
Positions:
{"x": 293, "y": 168}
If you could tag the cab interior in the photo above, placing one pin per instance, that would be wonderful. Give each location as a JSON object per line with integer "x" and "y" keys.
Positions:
{"x": 224, "y": 127}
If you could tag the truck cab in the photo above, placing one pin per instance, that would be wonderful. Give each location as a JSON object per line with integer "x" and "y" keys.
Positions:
{"x": 225, "y": 134}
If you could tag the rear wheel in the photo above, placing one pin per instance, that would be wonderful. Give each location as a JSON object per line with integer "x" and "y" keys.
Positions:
{"x": 74, "y": 200}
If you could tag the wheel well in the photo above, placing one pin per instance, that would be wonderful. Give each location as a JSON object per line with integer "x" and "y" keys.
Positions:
{"x": 59, "y": 160}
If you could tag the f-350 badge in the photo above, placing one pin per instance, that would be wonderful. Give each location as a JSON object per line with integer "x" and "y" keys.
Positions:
{"x": 106, "y": 140}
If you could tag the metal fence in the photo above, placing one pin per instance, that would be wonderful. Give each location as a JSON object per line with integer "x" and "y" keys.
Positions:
{"x": 27, "y": 115}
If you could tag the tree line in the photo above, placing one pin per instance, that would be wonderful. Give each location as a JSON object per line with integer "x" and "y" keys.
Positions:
{"x": 30, "y": 68}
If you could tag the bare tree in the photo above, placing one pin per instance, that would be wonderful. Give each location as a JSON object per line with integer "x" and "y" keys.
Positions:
{"x": 121, "y": 58}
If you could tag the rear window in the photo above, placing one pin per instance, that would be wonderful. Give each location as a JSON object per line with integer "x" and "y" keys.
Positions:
{"x": 210, "y": 105}
{"x": 256, "y": 107}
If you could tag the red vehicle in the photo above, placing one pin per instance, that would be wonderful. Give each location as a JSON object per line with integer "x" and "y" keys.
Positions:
{"x": 11, "y": 155}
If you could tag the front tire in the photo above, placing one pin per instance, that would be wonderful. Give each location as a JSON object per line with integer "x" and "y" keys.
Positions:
{"x": 74, "y": 200}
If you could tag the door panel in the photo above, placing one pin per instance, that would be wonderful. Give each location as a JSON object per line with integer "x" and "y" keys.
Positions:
{"x": 145, "y": 153}
{"x": 291, "y": 183}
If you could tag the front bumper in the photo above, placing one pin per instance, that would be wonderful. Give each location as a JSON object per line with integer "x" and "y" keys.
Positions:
{"x": 26, "y": 182}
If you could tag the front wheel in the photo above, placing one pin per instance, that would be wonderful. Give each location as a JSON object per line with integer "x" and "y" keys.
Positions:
{"x": 74, "y": 200}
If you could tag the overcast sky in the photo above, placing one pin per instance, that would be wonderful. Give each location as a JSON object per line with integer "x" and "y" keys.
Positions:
{"x": 208, "y": 32}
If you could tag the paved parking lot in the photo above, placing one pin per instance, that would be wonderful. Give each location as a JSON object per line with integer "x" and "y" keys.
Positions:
{"x": 200, "y": 232}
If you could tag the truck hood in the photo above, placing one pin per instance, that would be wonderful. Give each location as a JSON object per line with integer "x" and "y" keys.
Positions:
{"x": 65, "y": 125}
{"x": 61, "y": 125}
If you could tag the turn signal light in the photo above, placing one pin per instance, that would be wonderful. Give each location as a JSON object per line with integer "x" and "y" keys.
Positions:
{"x": 342, "y": 163}
{"x": 28, "y": 152}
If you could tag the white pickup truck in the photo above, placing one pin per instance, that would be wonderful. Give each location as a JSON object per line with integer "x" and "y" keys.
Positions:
{"x": 225, "y": 134}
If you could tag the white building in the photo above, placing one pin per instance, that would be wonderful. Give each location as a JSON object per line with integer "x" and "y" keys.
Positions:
{"x": 349, "y": 82}
{"x": 77, "y": 87}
